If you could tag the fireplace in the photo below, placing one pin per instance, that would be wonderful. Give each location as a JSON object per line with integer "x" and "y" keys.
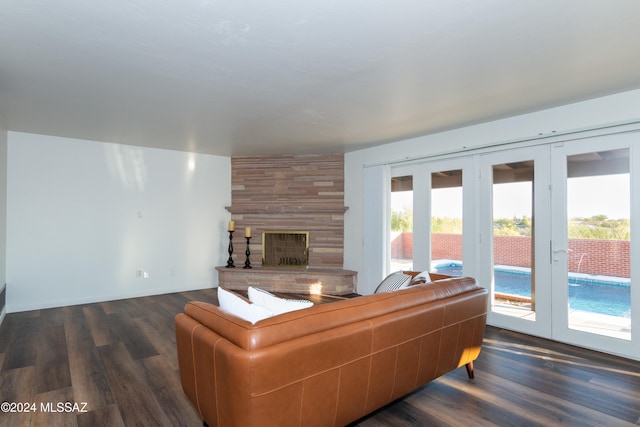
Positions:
{"x": 290, "y": 193}
{"x": 285, "y": 248}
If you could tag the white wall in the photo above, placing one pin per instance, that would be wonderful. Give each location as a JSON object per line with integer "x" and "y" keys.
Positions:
{"x": 84, "y": 217}
{"x": 605, "y": 111}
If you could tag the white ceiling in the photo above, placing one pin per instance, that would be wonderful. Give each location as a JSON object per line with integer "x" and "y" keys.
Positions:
{"x": 250, "y": 77}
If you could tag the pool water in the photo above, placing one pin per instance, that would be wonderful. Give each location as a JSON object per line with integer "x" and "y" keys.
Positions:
{"x": 584, "y": 294}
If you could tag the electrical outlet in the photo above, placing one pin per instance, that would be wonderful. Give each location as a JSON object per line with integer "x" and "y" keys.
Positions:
{"x": 145, "y": 275}
{"x": 139, "y": 273}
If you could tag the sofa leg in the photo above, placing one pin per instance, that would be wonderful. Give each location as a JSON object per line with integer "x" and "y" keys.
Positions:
{"x": 469, "y": 367}
{"x": 204, "y": 423}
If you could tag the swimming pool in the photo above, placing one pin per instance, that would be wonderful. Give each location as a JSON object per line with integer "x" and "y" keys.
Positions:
{"x": 584, "y": 294}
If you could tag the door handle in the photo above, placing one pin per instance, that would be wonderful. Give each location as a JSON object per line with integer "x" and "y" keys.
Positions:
{"x": 557, "y": 251}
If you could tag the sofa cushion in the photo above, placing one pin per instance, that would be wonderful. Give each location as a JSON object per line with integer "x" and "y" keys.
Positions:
{"x": 393, "y": 282}
{"x": 241, "y": 307}
{"x": 275, "y": 304}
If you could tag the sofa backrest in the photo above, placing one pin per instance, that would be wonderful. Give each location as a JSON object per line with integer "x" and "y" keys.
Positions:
{"x": 323, "y": 317}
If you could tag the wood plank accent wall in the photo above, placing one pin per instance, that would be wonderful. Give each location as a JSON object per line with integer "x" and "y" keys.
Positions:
{"x": 283, "y": 193}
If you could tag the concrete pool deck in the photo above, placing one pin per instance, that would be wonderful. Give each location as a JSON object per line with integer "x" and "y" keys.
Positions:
{"x": 585, "y": 321}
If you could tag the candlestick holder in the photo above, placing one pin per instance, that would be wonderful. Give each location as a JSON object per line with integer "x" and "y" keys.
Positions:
{"x": 230, "y": 263}
{"x": 247, "y": 263}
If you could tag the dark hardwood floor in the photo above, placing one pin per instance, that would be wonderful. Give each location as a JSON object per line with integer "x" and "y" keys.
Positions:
{"x": 119, "y": 359}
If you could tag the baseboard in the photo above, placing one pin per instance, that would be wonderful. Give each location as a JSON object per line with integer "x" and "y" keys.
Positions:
{"x": 92, "y": 300}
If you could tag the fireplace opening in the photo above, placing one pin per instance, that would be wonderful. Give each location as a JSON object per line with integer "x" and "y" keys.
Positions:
{"x": 285, "y": 248}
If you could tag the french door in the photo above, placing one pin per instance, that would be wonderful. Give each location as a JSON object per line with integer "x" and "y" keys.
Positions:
{"x": 433, "y": 217}
{"x": 549, "y": 229}
{"x": 556, "y": 242}
{"x": 514, "y": 236}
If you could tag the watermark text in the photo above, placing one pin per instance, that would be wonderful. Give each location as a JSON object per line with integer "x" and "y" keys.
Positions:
{"x": 48, "y": 407}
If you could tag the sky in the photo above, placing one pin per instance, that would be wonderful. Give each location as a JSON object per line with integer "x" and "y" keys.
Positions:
{"x": 600, "y": 195}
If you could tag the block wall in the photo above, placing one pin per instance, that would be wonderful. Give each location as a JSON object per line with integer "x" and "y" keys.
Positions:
{"x": 588, "y": 256}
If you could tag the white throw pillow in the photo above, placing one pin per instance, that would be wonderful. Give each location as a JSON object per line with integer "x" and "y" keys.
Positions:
{"x": 238, "y": 306}
{"x": 421, "y": 278}
{"x": 275, "y": 304}
{"x": 393, "y": 282}
{"x": 424, "y": 275}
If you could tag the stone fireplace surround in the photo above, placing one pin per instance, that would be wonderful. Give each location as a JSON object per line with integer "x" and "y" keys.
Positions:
{"x": 290, "y": 193}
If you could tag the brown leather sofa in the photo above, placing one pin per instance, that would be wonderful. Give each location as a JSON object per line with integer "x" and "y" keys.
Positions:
{"x": 329, "y": 364}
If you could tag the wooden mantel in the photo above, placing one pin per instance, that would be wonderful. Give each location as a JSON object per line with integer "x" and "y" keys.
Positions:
{"x": 330, "y": 281}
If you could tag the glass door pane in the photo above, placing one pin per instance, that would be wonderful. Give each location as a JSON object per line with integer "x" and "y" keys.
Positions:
{"x": 599, "y": 233}
{"x": 446, "y": 222}
{"x": 513, "y": 243}
{"x": 401, "y": 236}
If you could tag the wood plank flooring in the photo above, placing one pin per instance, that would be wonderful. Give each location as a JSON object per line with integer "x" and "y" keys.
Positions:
{"x": 119, "y": 358}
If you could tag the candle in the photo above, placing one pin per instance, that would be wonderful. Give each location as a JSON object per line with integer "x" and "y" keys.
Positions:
{"x": 232, "y": 226}
{"x": 247, "y": 232}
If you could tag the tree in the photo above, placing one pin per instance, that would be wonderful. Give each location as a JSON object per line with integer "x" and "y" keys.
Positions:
{"x": 446, "y": 225}
{"x": 512, "y": 227}
{"x": 599, "y": 227}
{"x": 401, "y": 220}
{"x": 595, "y": 227}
